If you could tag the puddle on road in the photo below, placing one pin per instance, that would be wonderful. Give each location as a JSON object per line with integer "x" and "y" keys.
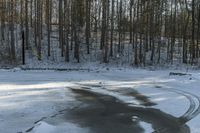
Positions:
{"x": 102, "y": 113}
{"x": 106, "y": 114}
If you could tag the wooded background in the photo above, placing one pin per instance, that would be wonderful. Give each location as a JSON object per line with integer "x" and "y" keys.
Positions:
{"x": 146, "y": 32}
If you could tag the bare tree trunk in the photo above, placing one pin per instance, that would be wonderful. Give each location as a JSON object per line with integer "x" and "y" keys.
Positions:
{"x": 87, "y": 31}
{"x": 27, "y": 25}
{"x": 112, "y": 28}
{"x": 12, "y": 32}
{"x": 67, "y": 17}
{"x": 48, "y": 2}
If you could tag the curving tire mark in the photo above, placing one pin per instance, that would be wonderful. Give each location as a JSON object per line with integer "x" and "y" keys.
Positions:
{"x": 192, "y": 111}
{"x": 194, "y": 100}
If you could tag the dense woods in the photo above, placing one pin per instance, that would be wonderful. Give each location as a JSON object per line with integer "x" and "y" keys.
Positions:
{"x": 136, "y": 32}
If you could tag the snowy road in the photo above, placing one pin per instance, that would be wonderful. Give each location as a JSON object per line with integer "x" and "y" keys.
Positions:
{"x": 109, "y": 101}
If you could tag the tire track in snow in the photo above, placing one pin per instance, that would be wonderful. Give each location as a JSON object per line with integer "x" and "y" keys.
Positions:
{"x": 194, "y": 108}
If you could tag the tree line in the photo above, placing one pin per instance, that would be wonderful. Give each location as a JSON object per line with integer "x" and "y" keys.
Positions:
{"x": 151, "y": 31}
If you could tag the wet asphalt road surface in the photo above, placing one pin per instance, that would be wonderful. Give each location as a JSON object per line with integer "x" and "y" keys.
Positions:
{"x": 103, "y": 113}
{"x": 106, "y": 114}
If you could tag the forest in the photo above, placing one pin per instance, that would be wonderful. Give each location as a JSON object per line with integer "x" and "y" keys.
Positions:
{"x": 134, "y": 32}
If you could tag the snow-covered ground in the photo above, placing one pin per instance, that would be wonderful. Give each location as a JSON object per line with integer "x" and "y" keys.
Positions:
{"x": 29, "y": 98}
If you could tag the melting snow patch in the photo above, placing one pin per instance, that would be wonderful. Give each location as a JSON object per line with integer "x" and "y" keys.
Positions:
{"x": 147, "y": 127}
{"x": 43, "y": 127}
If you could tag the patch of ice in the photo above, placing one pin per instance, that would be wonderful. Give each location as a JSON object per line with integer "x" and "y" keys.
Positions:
{"x": 43, "y": 127}
{"x": 148, "y": 128}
